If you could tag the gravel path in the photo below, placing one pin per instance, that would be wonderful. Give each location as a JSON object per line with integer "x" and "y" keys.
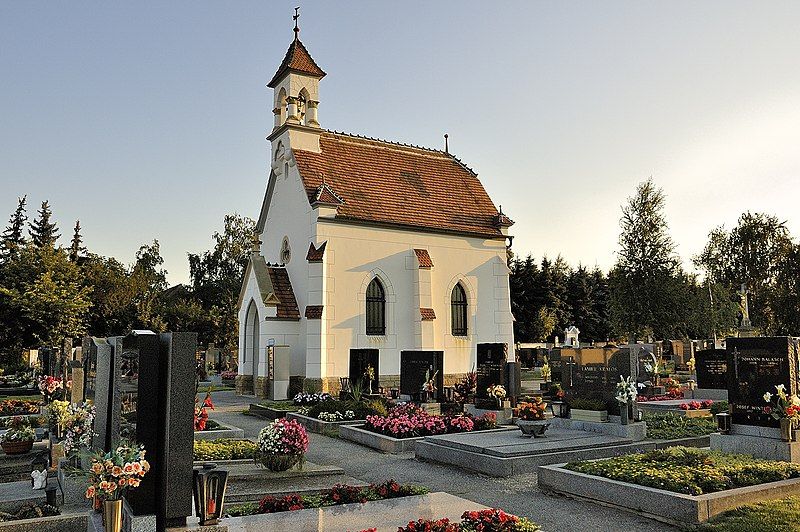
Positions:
{"x": 519, "y": 494}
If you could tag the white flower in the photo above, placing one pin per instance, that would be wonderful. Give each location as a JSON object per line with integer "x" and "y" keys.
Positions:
{"x": 780, "y": 388}
{"x": 768, "y": 397}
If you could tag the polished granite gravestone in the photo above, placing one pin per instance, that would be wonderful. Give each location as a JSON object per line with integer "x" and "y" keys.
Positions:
{"x": 711, "y": 366}
{"x": 386, "y": 515}
{"x": 491, "y": 367}
{"x": 360, "y": 361}
{"x": 415, "y": 366}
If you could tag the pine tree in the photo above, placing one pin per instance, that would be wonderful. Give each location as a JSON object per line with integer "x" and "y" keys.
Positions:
{"x": 76, "y": 248}
{"x": 12, "y": 236}
{"x": 44, "y": 232}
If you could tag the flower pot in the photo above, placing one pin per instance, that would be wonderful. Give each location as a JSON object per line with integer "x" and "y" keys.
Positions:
{"x": 787, "y": 429}
{"x": 533, "y": 428}
{"x": 279, "y": 462}
{"x": 17, "y": 447}
{"x": 112, "y": 515}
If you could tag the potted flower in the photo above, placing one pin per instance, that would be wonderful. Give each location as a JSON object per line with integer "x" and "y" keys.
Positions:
{"x": 626, "y": 396}
{"x": 785, "y": 408}
{"x": 369, "y": 376}
{"x": 57, "y": 416}
{"x": 49, "y": 386}
{"x": 281, "y": 445}
{"x": 78, "y": 427}
{"x": 429, "y": 386}
{"x": 19, "y": 437}
{"x": 531, "y": 418}
{"x": 498, "y": 393}
{"x": 547, "y": 374}
{"x": 111, "y": 475}
{"x": 466, "y": 387}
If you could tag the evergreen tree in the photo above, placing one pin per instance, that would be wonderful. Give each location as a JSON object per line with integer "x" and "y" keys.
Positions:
{"x": 76, "y": 248}
{"x": 44, "y": 232}
{"x": 13, "y": 236}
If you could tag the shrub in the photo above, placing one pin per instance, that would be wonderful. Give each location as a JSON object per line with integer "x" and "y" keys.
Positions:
{"x": 588, "y": 404}
{"x": 224, "y": 449}
{"x": 669, "y": 426}
{"x": 238, "y": 510}
{"x": 270, "y": 504}
{"x": 718, "y": 407}
{"x": 30, "y": 511}
{"x": 15, "y": 407}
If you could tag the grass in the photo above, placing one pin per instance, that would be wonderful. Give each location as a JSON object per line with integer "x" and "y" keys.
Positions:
{"x": 688, "y": 470}
{"x": 673, "y": 426}
{"x": 279, "y": 405}
{"x": 781, "y": 515}
{"x": 215, "y": 388}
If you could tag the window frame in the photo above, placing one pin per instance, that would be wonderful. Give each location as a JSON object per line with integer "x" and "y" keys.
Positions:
{"x": 458, "y": 311}
{"x": 375, "y": 308}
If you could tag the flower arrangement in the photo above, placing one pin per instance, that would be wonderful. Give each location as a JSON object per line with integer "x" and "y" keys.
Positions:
{"x": 282, "y": 444}
{"x": 465, "y": 388}
{"x": 228, "y": 375}
{"x": 531, "y": 411}
{"x": 491, "y": 519}
{"x": 696, "y": 405}
{"x": 79, "y": 427}
{"x": 48, "y": 386}
{"x": 429, "y": 386}
{"x": 546, "y": 371}
{"x": 112, "y": 474}
{"x": 19, "y": 430}
{"x": 626, "y": 390}
{"x": 496, "y": 391}
{"x": 408, "y": 421}
{"x": 58, "y": 414}
{"x": 692, "y": 363}
{"x": 337, "y": 416}
{"x": 311, "y": 399}
{"x": 557, "y": 391}
{"x": 13, "y": 407}
{"x": 201, "y": 411}
{"x": 782, "y": 405}
{"x": 369, "y": 375}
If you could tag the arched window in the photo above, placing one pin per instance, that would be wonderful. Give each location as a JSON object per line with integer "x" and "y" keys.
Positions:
{"x": 302, "y": 101}
{"x": 458, "y": 310}
{"x": 376, "y": 308}
{"x": 286, "y": 251}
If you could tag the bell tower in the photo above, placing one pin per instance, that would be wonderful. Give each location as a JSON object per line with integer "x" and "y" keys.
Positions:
{"x": 296, "y": 86}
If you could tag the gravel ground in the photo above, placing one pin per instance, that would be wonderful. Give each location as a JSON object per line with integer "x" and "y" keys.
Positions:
{"x": 518, "y": 494}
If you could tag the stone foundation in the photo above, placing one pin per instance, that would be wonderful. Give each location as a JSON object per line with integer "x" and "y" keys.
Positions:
{"x": 244, "y": 384}
{"x": 262, "y": 387}
{"x": 332, "y": 385}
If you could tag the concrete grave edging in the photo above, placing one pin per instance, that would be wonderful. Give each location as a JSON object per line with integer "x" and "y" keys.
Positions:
{"x": 322, "y": 427}
{"x": 662, "y": 505}
{"x": 228, "y": 432}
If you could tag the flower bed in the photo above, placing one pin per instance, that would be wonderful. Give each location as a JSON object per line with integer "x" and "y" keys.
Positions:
{"x": 697, "y": 405}
{"x": 338, "y": 494}
{"x": 16, "y": 407}
{"x": 490, "y": 520}
{"x": 410, "y": 421}
{"x": 688, "y": 471}
{"x": 224, "y": 449}
{"x": 669, "y": 426}
{"x": 29, "y": 511}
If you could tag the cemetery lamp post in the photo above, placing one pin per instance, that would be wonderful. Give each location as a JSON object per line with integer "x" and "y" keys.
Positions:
{"x": 209, "y": 493}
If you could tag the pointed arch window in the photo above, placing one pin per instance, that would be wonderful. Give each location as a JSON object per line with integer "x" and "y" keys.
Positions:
{"x": 376, "y": 308}
{"x": 458, "y": 311}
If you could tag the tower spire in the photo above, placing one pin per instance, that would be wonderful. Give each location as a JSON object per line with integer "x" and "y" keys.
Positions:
{"x": 296, "y": 27}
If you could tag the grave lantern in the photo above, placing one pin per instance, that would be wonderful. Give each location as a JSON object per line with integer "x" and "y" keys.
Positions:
{"x": 723, "y": 423}
{"x": 209, "y": 486}
{"x": 559, "y": 408}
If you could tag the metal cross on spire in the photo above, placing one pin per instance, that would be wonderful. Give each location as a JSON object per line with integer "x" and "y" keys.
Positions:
{"x": 295, "y": 17}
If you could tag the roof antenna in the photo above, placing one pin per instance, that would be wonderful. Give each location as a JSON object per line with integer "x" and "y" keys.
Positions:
{"x": 446, "y": 150}
{"x": 296, "y": 28}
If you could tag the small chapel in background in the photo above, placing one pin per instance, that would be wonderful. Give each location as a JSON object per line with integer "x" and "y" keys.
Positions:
{"x": 378, "y": 263}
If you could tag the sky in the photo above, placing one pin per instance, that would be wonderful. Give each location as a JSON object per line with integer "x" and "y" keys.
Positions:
{"x": 147, "y": 120}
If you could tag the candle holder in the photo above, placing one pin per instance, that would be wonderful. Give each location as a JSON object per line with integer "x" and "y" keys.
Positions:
{"x": 724, "y": 423}
{"x": 209, "y": 486}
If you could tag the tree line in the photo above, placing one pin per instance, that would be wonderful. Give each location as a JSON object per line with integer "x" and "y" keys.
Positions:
{"x": 648, "y": 293}
{"x": 49, "y": 293}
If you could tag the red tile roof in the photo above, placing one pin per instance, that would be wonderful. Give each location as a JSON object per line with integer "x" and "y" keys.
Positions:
{"x": 427, "y": 314}
{"x": 386, "y": 183}
{"x": 314, "y": 312}
{"x": 424, "y": 258}
{"x": 282, "y": 288}
{"x": 326, "y": 196}
{"x": 297, "y": 59}
{"x": 315, "y": 254}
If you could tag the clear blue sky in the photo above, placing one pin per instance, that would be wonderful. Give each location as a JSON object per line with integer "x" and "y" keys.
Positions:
{"x": 147, "y": 119}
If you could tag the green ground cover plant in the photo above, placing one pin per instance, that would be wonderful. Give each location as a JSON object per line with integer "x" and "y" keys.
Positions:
{"x": 588, "y": 404}
{"x": 224, "y": 449}
{"x": 361, "y": 409}
{"x": 688, "y": 470}
{"x": 279, "y": 405}
{"x": 338, "y": 494}
{"x": 781, "y": 515}
{"x": 29, "y": 511}
{"x": 670, "y": 426}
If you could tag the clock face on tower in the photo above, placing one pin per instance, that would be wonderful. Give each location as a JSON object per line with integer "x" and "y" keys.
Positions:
{"x": 286, "y": 251}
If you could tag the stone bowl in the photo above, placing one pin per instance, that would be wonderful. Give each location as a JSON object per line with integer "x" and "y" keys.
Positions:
{"x": 533, "y": 428}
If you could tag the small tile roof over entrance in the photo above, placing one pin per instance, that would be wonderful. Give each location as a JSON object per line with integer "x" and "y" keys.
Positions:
{"x": 316, "y": 254}
{"x": 297, "y": 59}
{"x": 313, "y": 312}
{"x": 424, "y": 258}
{"x": 395, "y": 184}
{"x": 427, "y": 314}
{"x": 282, "y": 288}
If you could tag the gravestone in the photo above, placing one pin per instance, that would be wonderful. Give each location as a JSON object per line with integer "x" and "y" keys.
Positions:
{"x": 598, "y": 380}
{"x": 556, "y": 365}
{"x": 149, "y": 397}
{"x": 711, "y": 367}
{"x": 360, "y": 361}
{"x": 414, "y": 366}
{"x": 48, "y": 360}
{"x": 98, "y": 376}
{"x": 76, "y": 393}
{"x": 755, "y": 366}
{"x": 491, "y": 367}
{"x": 278, "y": 362}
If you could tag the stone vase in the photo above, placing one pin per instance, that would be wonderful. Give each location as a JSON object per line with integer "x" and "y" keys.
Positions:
{"x": 787, "y": 429}
{"x": 279, "y": 462}
{"x": 624, "y": 413}
{"x": 533, "y": 428}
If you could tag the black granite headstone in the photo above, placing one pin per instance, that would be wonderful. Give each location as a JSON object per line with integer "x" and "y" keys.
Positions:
{"x": 556, "y": 366}
{"x": 597, "y": 380}
{"x": 491, "y": 367}
{"x": 360, "y": 360}
{"x": 755, "y": 366}
{"x": 711, "y": 366}
{"x": 414, "y": 366}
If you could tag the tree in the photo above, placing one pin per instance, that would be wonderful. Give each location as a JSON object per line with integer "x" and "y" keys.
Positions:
{"x": 646, "y": 284}
{"x": 522, "y": 282}
{"x": 785, "y": 302}
{"x": 753, "y": 253}
{"x": 113, "y": 311}
{"x": 147, "y": 281}
{"x": 217, "y": 277}
{"x": 76, "y": 248}
{"x": 44, "y": 232}
{"x": 13, "y": 236}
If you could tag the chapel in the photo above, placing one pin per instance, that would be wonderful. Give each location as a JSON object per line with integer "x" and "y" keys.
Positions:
{"x": 378, "y": 264}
